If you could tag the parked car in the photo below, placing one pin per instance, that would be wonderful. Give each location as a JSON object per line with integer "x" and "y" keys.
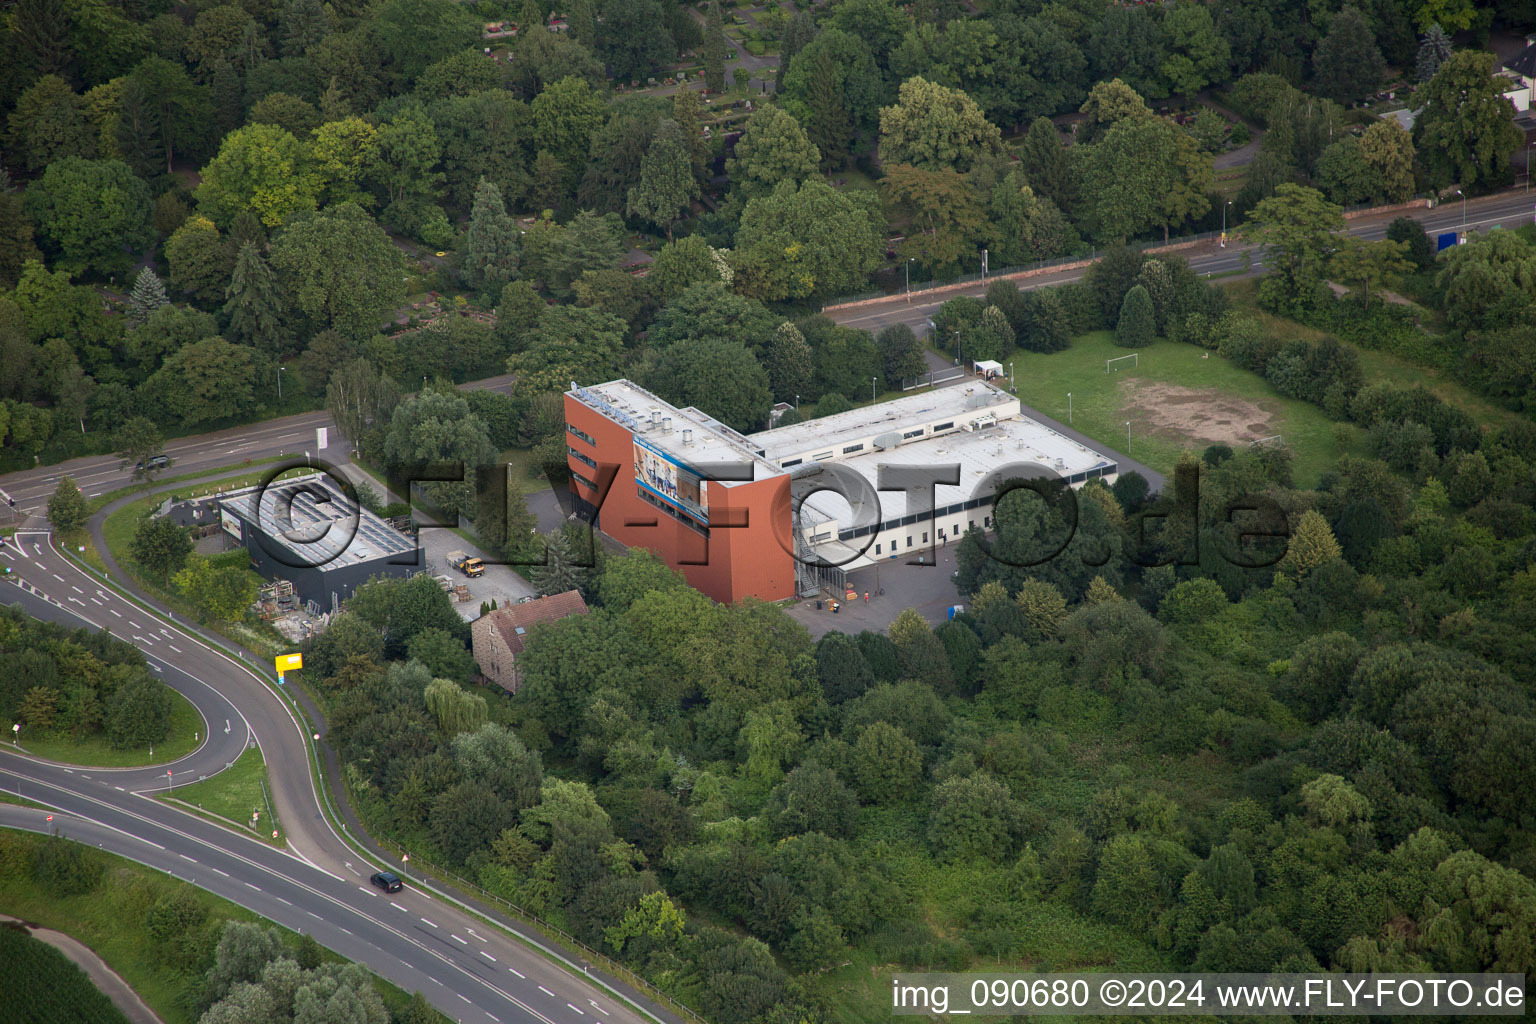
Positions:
{"x": 386, "y": 880}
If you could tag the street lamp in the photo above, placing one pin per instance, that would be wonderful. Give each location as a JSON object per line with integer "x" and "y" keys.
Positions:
{"x": 908, "y": 270}
{"x": 16, "y": 733}
{"x": 959, "y": 347}
{"x": 1010, "y": 377}
{"x": 1069, "y": 407}
{"x": 1463, "y": 210}
{"x": 872, "y": 381}
{"x": 797, "y": 403}
{"x": 280, "y": 383}
{"x": 1127, "y": 435}
{"x": 1224, "y": 222}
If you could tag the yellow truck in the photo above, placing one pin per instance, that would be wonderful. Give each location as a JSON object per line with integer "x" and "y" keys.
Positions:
{"x": 466, "y": 564}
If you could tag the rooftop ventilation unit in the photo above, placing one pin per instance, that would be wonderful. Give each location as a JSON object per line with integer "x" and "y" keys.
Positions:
{"x": 666, "y": 424}
{"x": 687, "y": 436}
{"x": 888, "y": 440}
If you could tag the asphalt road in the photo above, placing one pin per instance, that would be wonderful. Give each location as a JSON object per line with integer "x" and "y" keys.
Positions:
{"x": 98, "y": 474}
{"x": 316, "y": 882}
{"x": 1507, "y": 209}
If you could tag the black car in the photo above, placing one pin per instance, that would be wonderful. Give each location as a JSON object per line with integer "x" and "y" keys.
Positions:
{"x": 386, "y": 880}
{"x": 155, "y": 462}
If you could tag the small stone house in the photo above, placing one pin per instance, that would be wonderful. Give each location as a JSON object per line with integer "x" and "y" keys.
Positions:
{"x": 499, "y": 635}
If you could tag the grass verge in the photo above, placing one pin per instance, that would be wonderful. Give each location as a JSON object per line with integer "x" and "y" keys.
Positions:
{"x": 187, "y": 731}
{"x": 230, "y": 796}
{"x": 1163, "y": 427}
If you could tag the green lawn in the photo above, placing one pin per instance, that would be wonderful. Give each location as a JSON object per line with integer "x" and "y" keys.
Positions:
{"x": 234, "y": 793}
{"x": 521, "y": 461}
{"x": 1164, "y": 425}
{"x": 187, "y": 730}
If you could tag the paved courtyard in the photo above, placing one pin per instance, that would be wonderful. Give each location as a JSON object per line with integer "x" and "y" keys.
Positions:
{"x": 928, "y": 589}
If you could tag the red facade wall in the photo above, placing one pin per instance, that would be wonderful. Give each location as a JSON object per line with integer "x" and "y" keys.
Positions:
{"x": 751, "y": 560}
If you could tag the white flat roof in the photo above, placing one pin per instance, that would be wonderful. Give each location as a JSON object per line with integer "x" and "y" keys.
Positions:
{"x": 979, "y": 453}
{"x": 839, "y": 428}
{"x": 709, "y": 440}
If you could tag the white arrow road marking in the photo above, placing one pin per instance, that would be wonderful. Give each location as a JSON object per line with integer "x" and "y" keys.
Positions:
{"x": 594, "y": 1006}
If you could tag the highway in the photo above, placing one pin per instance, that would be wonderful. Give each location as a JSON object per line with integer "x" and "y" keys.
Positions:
{"x": 315, "y": 882}
{"x": 200, "y": 453}
{"x": 1506, "y": 209}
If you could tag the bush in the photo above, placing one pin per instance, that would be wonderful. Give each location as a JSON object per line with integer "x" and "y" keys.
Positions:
{"x": 1136, "y": 326}
{"x": 64, "y": 868}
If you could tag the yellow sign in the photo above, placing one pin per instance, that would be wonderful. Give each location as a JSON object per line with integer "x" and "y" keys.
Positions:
{"x": 289, "y": 662}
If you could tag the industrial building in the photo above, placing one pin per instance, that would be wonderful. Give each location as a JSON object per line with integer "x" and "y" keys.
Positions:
{"x": 307, "y": 531}
{"x": 734, "y": 538}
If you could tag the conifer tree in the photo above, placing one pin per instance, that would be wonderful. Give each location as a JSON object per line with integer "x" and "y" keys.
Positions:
{"x": 666, "y": 179}
{"x": 147, "y": 296}
{"x": 578, "y": 18}
{"x": 714, "y": 50}
{"x": 1434, "y": 50}
{"x": 799, "y": 32}
{"x": 829, "y": 128}
{"x": 1137, "y": 325}
{"x": 685, "y": 111}
{"x": 1312, "y": 544}
{"x": 491, "y": 256}
{"x": 254, "y": 305}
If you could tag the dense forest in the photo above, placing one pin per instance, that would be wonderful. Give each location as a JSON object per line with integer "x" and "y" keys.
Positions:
{"x": 203, "y": 204}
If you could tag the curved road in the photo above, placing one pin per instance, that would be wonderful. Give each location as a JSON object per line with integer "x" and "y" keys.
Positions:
{"x": 417, "y": 939}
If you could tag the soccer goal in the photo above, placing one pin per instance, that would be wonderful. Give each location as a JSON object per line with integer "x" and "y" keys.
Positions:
{"x": 1109, "y": 364}
{"x": 1278, "y": 440}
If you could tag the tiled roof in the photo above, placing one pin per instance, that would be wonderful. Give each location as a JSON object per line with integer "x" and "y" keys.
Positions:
{"x": 514, "y": 621}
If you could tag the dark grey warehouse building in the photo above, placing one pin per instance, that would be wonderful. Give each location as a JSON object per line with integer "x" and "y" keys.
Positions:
{"x": 307, "y": 531}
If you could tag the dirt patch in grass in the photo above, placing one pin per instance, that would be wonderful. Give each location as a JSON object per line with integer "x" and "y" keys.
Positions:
{"x": 1186, "y": 414}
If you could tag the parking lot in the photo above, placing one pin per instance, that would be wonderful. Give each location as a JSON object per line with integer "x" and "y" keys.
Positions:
{"x": 501, "y": 583}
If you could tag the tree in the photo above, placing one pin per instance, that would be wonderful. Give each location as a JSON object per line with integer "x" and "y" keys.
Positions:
{"x": 1144, "y": 174}
{"x": 147, "y": 296}
{"x": 222, "y": 593}
{"x": 886, "y": 763}
{"x": 50, "y": 124}
{"x": 1025, "y": 226}
{"x": 720, "y": 377}
{"x": 1110, "y": 103}
{"x": 138, "y": 442}
{"x": 630, "y": 38}
{"x": 714, "y": 50}
{"x": 91, "y": 215}
{"x": 340, "y": 269}
{"x": 628, "y": 578}
{"x": 359, "y": 399}
{"x": 254, "y": 306}
{"x": 204, "y": 381}
{"x": 491, "y": 245}
{"x": 973, "y": 817}
{"x": 67, "y": 510}
{"x": 139, "y": 713}
{"x": 1347, "y": 62}
{"x": 435, "y": 428}
{"x": 667, "y": 184}
{"x": 1136, "y": 326}
{"x": 260, "y": 168}
{"x": 1311, "y": 545}
{"x": 949, "y": 224}
{"x": 772, "y": 148}
{"x": 566, "y": 115}
{"x": 1297, "y": 228}
{"x": 562, "y": 571}
{"x": 1387, "y": 149}
{"x": 198, "y": 261}
{"x": 1126, "y": 889}
{"x": 1198, "y": 55}
{"x": 684, "y": 262}
{"x": 789, "y": 363}
{"x": 901, "y": 353}
{"x": 1369, "y": 263}
{"x": 1434, "y": 51}
{"x": 404, "y": 156}
{"x": 811, "y": 799}
{"x": 1044, "y": 161}
{"x": 814, "y": 240}
{"x": 933, "y": 127}
{"x": 160, "y": 546}
{"x": 1465, "y": 131}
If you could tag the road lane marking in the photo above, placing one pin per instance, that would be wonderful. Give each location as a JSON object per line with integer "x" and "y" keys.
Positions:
{"x": 58, "y": 577}
{"x": 462, "y": 942}
{"x": 218, "y": 872}
{"x": 573, "y": 1006}
{"x": 281, "y": 900}
{"x": 78, "y": 601}
{"x": 314, "y": 915}
{"x": 462, "y": 996}
{"x": 135, "y": 625}
{"x": 174, "y": 648}
{"x": 114, "y": 611}
{"x": 248, "y": 885}
{"x": 368, "y": 891}
{"x": 519, "y": 973}
{"x": 97, "y": 603}
{"x": 185, "y": 857}
{"x": 594, "y": 1006}
{"x": 429, "y": 924}
{"x": 397, "y": 906}
{"x": 494, "y": 1018}
{"x": 487, "y": 956}
{"x": 546, "y": 991}
{"x": 76, "y": 589}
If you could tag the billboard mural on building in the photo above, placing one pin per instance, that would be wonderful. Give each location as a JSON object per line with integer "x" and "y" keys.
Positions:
{"x": 671, "y": 481}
